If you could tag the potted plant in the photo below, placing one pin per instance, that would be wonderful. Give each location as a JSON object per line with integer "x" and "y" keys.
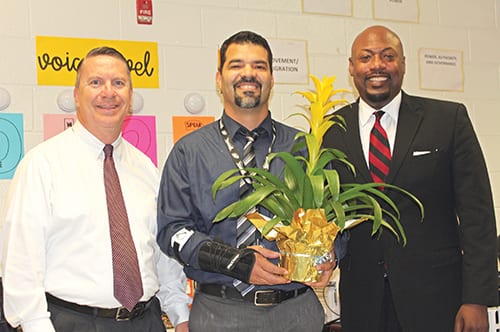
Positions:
{"x": 309, "y": 204}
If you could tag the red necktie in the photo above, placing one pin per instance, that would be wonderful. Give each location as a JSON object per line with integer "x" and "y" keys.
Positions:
{"x": 126, "y": 275}
{"x": 380, "y": 152}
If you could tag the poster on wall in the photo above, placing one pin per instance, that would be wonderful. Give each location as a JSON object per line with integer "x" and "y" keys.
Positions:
{"x": 329, "y": 7}
{"x": 183, "y": 125}
{"x": 290, "y": 63}
{"x": 11, "y": 143}
{"x": 441, "y": 70}
{"x": 138, "y": 130}
{"x": 57, "y": 59}
{"x": 396, "y": 10}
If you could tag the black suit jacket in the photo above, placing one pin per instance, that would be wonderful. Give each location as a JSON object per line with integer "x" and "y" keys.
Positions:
{"x": 450, "y": 257}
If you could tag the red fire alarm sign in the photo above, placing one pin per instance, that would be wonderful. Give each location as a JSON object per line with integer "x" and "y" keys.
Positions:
{"x": 144, "y": 11}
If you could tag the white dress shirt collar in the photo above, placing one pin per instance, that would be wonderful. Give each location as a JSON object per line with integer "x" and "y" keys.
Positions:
{"x": 94, "y": 144}
{"x": 391, "y": 109}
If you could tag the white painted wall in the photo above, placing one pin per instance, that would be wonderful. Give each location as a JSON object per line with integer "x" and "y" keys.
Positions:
{"x": 188, "y": 33}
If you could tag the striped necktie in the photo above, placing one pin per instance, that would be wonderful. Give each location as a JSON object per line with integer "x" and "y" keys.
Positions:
{"x": 245, "y": 230}
{"x": 127, "y": 282}
{"x": 380, "y": 152}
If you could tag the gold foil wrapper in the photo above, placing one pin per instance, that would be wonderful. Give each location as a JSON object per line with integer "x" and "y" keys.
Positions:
{"x": 303, "y": 243}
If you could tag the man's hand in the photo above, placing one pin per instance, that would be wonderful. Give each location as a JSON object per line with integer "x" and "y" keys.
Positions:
{"x": 472, "y": 318}
{"x": 265, "y": 272}
{"x": 326, "y": 270}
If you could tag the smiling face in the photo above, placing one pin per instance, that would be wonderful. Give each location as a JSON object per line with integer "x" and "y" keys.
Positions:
{"x": 103, "y": 96}
{"x": 245, "y": 81}
{"x": 377, "y": 65}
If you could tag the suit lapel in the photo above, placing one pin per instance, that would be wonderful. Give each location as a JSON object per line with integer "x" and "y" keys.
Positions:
{"x": 409, "y": 119}
{"x": 352, "y": 144}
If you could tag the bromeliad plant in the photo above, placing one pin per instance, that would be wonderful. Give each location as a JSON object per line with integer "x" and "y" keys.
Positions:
{"x": 310, "y": 183}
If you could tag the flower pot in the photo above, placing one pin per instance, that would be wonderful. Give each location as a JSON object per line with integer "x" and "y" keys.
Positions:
{"x": 303, "y": 244}
{"x": 308, "y": 242}
{"x": 301, "y": 266}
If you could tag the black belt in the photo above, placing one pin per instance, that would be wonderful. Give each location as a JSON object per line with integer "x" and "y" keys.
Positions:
{"x": 260, "y": 297}
{"x": 118, "y": 314}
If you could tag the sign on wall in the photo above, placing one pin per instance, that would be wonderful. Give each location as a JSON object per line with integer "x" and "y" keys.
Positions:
{"x": 396, "y": 10}
{"x": 57, "y": 59}
{"x": 11, "y": 143}
{"x": 138, "y": 130}
{"x": 441, "y": 69}
{"x": 337, "y": 7}
{"x": 183, "y": 125}
{"x": 290, "y": 63}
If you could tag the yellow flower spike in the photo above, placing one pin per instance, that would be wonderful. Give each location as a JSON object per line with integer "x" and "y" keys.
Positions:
{"x": 326, "y": 88}
{"x": 309, "y": 95}
{"x": 320, "y": 104}
{"x": 317, "y": 84}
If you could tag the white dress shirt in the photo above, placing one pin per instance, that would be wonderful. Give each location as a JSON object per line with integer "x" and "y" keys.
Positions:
{"x": 389, "y": 122}
{"x": 56, "y": 234}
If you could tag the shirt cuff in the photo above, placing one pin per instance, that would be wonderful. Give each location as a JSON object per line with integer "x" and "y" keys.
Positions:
{"x": 178, "y": 314}
{"x": 38, "y": 325}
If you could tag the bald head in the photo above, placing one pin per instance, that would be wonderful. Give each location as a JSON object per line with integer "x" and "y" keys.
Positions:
{"x": 378, "y": 32}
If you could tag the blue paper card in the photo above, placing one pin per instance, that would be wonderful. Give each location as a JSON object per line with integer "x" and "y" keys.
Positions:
{"x": 11, "y": 143}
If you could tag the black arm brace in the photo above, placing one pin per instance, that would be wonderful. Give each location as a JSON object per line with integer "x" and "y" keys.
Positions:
{"x": 222, "y": 258}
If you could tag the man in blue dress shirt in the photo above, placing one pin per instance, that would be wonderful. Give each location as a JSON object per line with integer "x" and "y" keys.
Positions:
{"x": 186, "y": 209}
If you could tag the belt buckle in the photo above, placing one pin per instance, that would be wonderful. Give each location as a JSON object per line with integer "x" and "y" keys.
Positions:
{"x": 119, "y": 317}
{"x": 256, "y": 298}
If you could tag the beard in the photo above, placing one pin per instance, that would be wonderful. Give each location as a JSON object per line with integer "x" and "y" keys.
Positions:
{"x": 249, "y": 99}
{"x": 378, "y": 97}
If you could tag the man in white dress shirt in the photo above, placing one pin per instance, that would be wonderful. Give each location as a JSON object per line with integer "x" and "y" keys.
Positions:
{"x": 57, "y": 257}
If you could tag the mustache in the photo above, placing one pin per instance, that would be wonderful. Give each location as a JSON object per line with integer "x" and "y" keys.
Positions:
{"x": 248, "y": 80}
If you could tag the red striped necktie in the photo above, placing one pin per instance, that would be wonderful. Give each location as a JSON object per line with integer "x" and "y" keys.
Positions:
{"x": 380, "y": 152}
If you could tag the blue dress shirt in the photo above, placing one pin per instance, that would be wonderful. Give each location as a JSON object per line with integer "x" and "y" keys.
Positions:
{"x": 185, "y": 199}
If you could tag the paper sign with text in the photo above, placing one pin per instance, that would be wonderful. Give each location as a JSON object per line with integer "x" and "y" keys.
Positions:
{"x": 57, "y": 59}
{"x": 441, "y": 70}
{"x": 337, "y": 7}
{"x": 396, "y": 10}
{"x": 290, "y": 63}
{"x": 183, "y": 125}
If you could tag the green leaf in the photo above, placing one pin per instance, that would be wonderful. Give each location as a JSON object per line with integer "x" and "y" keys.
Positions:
{"x": 318, "y": 190}
{"x": 307, "y": 198}
{"x": 224, "y": 180}
{"x": 270, "y": 224}
{"x": 333, "y": 184}
{"x": 280, "y": 206}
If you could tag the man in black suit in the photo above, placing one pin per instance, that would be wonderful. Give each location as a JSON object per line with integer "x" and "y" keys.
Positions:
{"x": 446, "y": 276}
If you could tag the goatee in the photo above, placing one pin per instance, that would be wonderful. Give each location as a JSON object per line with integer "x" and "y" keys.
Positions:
{"x": 377, "y": 97}
{"x": 249, "y": 99}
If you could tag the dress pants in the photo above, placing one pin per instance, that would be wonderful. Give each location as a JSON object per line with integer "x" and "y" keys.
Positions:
{"x": 4, "y": 326}
{"x": 388, "y": 318}
{"x": 299, "y": 314}
{"x": 67, "y": 320}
